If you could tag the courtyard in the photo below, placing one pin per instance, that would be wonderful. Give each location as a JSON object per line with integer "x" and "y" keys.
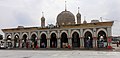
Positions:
{"x": 58, "y": 54}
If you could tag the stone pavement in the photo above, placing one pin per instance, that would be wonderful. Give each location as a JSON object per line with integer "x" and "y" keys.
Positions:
{"x": 115, "y": 53}
{"x": 57, "y": 54}
{"x": 116, "y": 48}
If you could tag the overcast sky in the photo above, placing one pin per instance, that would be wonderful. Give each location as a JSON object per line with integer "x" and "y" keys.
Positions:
{"x": 15, "y": 13}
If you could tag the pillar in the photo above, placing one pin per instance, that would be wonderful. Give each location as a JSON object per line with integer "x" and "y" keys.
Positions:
{"x": 81, "y": 38}
{"x": 58, "y": 39}
{"x": 94, "y": 38}
{"x": 94, "y": 42}
{"x": 48, "y": 42}
{"x": 30, "y": 43}
{"x": 70, "y": 41}
{"x": 81, "y": 42}
{"x": 20, "y": 45}
{"x": 20, "y": 38}
{"x": 5, "y": 35}
{"x": 38, "y": 42}
{"x": 29, "y": 40}
{"x": 12, "y": 43}
{"x": 109, "y": 38}
{"x": 38, "y": 39}
{"x": 58, "y": 43}
{"x": 12, "y": 40}
{"x": 69, "y": 38}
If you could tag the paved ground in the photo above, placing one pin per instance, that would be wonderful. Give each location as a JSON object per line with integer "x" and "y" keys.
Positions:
{"x": 116, "y": 48}
{"x": 60, "y": 53}
{"x": 57, "y": 54}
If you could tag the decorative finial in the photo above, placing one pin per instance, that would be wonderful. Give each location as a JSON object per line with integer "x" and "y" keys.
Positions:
{"x": 42, "y": 14}
{"x": 78, "y": 9}
{"x": 65, "y": 6}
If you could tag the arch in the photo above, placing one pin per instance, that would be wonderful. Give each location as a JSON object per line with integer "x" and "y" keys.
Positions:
{"x": 24, "y": 37}
{"x": 64, "y": 32}
{"x": 75, "y": 31}
{"x": 16, "y": 34}
{"x": 102, "y": 39}
{"x": 33, "y": 36}
{"x": 101, "y": 29}
{"x": 25, "y": 34}
{"x": 24, "y": 40}
{"x": 33, "y": 40}
{"x": 43, "y": 40}
{"x": 9, "y": 41}
{"x": 64, "y": 40}
{"x": 53, "y": 40}
{"x": 54, "y": 32}
{"x": 101, "y": 33}
{"x": 87, "y": 30}
{"x": 88, "y": 39}
{"x": 8, "y": 35}
{"x": 75, "y": 40}
{"x": 43, "y": 33}
{"x": 33, "y": 33}
{"x": 16, "y": 40}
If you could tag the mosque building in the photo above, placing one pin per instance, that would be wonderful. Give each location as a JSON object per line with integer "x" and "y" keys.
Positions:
{"x": 65, "y": 34}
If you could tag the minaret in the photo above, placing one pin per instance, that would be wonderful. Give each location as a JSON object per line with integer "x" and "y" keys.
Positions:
{"x": 78, "y": 17}
{"x": 42, "y": 20}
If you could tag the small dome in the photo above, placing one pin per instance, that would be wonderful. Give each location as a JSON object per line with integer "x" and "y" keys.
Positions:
{"x": 84, "y": 22}
{"x": 65, "y": 18}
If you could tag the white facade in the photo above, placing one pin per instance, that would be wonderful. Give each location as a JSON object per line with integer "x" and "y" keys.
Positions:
{"x": 93, "y": 32}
